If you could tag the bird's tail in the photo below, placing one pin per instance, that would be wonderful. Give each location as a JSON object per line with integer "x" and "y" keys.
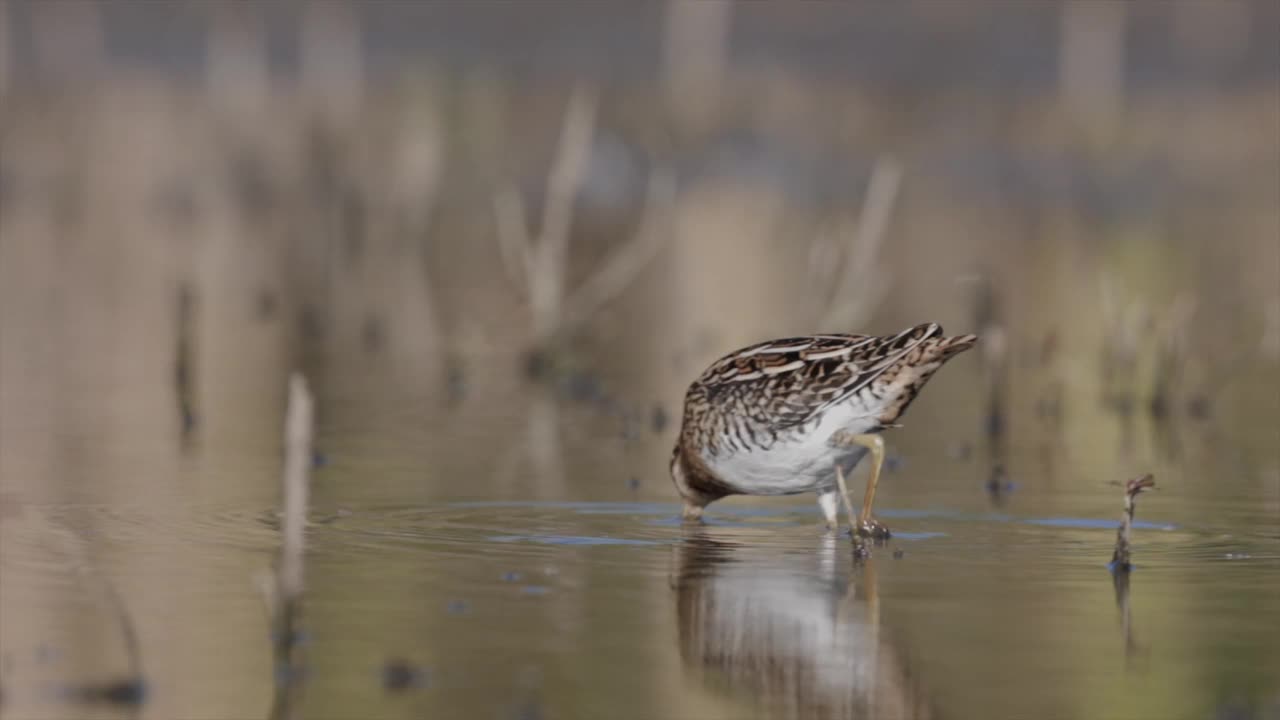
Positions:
{"x": 949, "y": 346}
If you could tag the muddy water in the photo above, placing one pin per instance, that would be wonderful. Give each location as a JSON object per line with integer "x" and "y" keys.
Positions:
{"x": 456, "y": 570}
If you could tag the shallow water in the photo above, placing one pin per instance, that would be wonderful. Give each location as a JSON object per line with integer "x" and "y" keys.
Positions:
{"x": 493, "y": 597}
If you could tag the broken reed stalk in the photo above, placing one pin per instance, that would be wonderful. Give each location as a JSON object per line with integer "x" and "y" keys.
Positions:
{"x": 286, "y": 603}
{"x": 545, "y": 259}
{"x": 1120, "y": 556}
{"x": 862, "y": 282}
{"x": 299, "y": 419}
{"x": 538, "y": 266}
{"x": 626, "y": 262}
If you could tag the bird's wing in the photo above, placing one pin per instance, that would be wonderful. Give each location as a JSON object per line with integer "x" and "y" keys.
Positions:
{"x": 786, "y": 382}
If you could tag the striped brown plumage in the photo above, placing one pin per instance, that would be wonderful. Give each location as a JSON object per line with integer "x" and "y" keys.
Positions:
{"x": 776, "y": 417}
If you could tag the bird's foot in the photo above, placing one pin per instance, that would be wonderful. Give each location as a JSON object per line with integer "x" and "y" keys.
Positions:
{"x": 874, "y": 529}
{"x": 691, "y": 514}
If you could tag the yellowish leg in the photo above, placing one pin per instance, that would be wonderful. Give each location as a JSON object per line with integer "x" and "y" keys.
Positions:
{"x": 844, "y": 496}
{"x": 865, "y": 524}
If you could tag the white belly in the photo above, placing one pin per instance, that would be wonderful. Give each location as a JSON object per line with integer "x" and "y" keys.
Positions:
{"x": 797, "y": 464}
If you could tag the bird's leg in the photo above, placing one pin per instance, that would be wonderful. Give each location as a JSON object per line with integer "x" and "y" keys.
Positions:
{"x": 866, "y": 525}
{"x": 844, "y": 496}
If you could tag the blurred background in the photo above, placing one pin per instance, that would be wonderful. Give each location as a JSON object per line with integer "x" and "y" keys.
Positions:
{"x": 500, "y": 239}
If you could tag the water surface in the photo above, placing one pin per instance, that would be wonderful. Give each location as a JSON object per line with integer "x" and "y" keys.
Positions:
{"x": 477, "y": 598}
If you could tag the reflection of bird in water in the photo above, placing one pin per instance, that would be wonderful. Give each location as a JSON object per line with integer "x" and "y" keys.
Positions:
{"x": 792, "y": 416}
{"x": 799, "y": 641}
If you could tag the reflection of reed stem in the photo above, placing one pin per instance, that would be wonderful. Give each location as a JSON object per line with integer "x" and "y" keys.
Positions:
{"x": 1171, "y": 351}
{"x": 132, "y": 647}
{"x": 1121, "y": 582}
{"x": 132, "y": 689}
{"x": 184, "y": 362}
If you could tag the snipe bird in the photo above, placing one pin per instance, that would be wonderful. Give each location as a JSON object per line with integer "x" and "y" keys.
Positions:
{"x": 794, "y": 415}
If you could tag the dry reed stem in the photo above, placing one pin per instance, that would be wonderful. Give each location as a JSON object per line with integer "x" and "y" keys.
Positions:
{"x": 514, "y": 242}
{"x": 299, "y": 420}
{"x": 550, "y": 255}
{"x": 863, "y": 282}
{"x": 539, "y": 266}
{"x": 621, "y": 268}
{"x": 695, "y": 57}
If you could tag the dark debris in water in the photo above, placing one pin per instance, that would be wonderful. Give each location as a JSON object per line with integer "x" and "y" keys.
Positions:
{"x": 511, "y": 576}
{"x": 583, "y": 387}
{"x": 658, "y": 420}
{"x": 127, "y": 691}
{"x": 289, "y": 674}
{"x": 630, "y": 427}
{"x": 458, "y": 607}
{"x": 1198, "y": 407}
{"x": 455, "y": 384}
{"x": 333, "y": 517}
{"x": 531, "y": 710}
{"x": 898, "y": 553}
{"x": 633, "y": 483}
{"x": 290, "y": 638}
{"x": 998, "y": 483}
{"x": 399, "y": 675}
{"x": 47, "y": 654}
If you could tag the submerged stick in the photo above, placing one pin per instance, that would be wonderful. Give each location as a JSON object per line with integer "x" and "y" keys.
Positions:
{"x": 1120, "y": 556}
{"x": 131, "y": 689}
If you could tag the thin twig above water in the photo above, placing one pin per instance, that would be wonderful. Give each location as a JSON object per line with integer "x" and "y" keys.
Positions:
{"x": 1120, "y": 556}
{"x": 863, "y": 281}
